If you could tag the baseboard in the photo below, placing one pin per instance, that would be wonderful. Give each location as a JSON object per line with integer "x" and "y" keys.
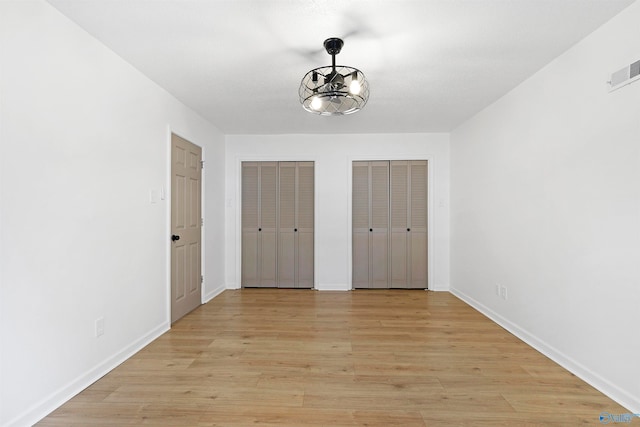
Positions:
{"x": 47, "y": 405}
{"x": 213, "y": 293}
{"x": 234, "y": 286}
{"x": 332, "y": 287}
{"x": 621, "y": 396}
{"x": 439, "y": 288}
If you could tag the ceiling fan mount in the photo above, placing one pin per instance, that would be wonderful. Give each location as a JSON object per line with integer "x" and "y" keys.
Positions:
{"x": 333, "y": 45}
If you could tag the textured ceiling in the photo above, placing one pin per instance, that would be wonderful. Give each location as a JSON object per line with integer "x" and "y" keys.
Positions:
{"x": 431, "y": 64}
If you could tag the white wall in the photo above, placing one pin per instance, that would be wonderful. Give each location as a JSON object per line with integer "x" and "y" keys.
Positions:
{"x": 84, "y": 138}
{"x": 333, "y": 155}
{"x": 546, "y": 201}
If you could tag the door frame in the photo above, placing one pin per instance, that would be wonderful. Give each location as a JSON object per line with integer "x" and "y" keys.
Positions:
{"x": 430, "y": 208}
{"x": 238, "y": 204}
{"x": 167, "y": 235}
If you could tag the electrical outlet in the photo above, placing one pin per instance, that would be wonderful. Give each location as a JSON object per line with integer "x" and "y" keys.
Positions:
{"x": 503, "y": 292}
{"x": 99, "y": 326}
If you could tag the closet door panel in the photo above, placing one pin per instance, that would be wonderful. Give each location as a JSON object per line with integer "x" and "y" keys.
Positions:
{"x": 250, "y": 223}
{"x": 304, "y": 224}
{"x": 379, "y": 223}
{"x": 418, "y": 225}
{"x": 287, "y": 225}
{"x": 268, "y": 215}
{"x": 399, "y": 206}
{"x": 360, "y": 225}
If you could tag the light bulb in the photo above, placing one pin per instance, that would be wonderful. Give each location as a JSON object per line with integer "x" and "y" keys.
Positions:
{"x": 354, "y": 87}
{"x": 316, "y": 103}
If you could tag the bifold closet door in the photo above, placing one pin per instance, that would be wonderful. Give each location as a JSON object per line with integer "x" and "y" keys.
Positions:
{"x": 277, "y": 224}
{"x": 370, "y": 227}
{"x": 408, "y": 224}
{"x": 295, "y": 224}
{"x": 259, "y": 214}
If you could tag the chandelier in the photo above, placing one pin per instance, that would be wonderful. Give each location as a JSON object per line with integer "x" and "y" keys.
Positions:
{"x": 334, "y": 90}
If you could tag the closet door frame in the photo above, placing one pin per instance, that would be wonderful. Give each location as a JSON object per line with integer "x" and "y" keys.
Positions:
{"x": 239, "y": 160}
{"x": 430, "y": 208}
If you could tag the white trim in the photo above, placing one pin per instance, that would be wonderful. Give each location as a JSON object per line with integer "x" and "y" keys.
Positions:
{"x": 621, "y": 396}
{"x": 167, "y": 241}
{"x": 430, "y": 206}
{"x": 232, "y": 285}
{"x": 213, "y": 293}
{"x": 56, "y": 399}
{"x": 438, "y": 287}
{"x": 333, "y": 287}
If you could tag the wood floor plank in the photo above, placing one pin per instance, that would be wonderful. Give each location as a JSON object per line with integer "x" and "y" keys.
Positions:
{"x": 304, "y": 358}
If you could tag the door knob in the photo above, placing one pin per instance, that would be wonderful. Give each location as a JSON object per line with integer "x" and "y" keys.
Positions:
{"x": 175, "y": 237}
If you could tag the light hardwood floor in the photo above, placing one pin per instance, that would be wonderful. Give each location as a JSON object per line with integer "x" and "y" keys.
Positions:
{"x": 307, "y": 358}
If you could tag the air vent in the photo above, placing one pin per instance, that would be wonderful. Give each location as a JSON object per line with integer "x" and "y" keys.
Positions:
{"x": 623, "y": 77}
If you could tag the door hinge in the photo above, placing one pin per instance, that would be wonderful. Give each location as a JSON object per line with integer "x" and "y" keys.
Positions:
{"x": 201, "y": 221}
{"x": 201, "y": 164}
{"x": 201, "y": 279}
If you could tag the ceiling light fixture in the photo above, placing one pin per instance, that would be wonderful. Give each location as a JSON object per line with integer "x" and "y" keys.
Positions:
{"x": 334, "y": 90}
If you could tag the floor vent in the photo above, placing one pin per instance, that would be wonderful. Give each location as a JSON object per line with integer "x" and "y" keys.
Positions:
{"x": 628, "y": 74}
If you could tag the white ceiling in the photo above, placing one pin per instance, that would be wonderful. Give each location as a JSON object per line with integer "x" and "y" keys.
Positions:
{"x": 431, "y": 64}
